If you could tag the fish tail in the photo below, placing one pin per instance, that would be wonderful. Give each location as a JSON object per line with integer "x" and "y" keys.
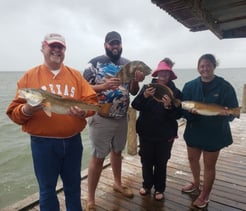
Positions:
{"x": 236, "y": 112}
{"x": 104, "y": 109}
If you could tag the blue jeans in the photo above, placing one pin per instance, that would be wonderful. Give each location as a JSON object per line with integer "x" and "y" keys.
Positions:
{"x": 53, "y": 158}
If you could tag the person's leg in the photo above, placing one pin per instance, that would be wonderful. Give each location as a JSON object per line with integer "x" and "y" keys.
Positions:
{"x": 147, "y": 155}
{"x": 94, "y": 173}
{"x": 47, "y": 166}
{"x": 162, "y": 155}
{"x": 210, "y": 160}
{"x": 118, "y": 143}
{"x": 194, "y": 155}
{"x": 70, "y": 172}
{"x": 116, "y": 163}
{"x": 100, "y": 136}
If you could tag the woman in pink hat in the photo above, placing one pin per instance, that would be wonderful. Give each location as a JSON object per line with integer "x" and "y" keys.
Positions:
{"x": 157, "y": 128}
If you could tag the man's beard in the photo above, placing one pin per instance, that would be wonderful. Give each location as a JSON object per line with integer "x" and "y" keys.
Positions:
{"x": 113, "y": 57}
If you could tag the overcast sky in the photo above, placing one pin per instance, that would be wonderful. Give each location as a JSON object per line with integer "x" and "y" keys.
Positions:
{"x": 149, "y": 34}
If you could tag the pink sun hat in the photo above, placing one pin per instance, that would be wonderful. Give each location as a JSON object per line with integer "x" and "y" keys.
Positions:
{"x": 163, "y": 66}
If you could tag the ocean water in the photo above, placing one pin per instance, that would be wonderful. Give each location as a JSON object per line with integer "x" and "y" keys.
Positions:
{"x": 16, "y": 168}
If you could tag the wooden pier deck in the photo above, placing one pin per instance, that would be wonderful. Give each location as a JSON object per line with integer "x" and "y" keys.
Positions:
{"x": 228, "y": 194}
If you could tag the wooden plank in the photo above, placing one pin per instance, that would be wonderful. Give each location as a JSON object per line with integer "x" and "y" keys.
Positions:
{"x": 228, "y": 192}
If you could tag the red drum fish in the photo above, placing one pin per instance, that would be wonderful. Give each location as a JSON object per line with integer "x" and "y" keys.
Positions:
{"x": 209, "y": 109}
{"x": 56, "y": 103}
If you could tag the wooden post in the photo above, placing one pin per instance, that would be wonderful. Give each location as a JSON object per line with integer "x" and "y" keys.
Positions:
{"x": 244, "y": 100}
{"x": 132, "y": 135}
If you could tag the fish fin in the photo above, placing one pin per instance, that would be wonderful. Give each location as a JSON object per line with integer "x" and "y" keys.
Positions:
{"x": 47, "y": 109}
{"x": 104, "y": 109}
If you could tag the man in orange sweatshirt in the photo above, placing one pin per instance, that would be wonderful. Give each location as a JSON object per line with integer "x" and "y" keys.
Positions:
{"x": 56, "y": 143}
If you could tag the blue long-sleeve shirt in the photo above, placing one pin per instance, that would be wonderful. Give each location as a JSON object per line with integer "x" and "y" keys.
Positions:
{"x": 210, "y": 133}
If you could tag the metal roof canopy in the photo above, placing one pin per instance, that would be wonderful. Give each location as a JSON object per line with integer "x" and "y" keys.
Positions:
{"x": 225, "y": 18}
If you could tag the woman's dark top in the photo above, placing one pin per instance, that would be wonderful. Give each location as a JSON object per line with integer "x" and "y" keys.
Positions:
{"x": 155, "y": 122}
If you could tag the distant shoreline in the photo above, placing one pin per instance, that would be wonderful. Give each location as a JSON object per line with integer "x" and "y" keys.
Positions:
{"x": 175, "y": 69}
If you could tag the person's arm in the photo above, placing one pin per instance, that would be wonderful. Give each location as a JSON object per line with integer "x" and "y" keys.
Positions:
{"x": 110, "y": 83}
{"x": 186, "y": 94}
{"x": 18, "y": 110}
{"x": 90, "y": 75}
{"x": 142, "y": 98}
{"x": 229, "y": 100}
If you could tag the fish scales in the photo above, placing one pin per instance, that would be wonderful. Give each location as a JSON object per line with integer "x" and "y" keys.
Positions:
{"x": 161, "y": 90}
{"x": 57, "y": 104}
{"x": 208, "y": 109}
{"x": 127, "y": 72}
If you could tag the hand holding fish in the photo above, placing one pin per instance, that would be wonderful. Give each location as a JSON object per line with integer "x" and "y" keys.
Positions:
{"x": 150, "y": 91}
{"x": 224, "y": 112}
{"x": 162, "y": 90}
{"x": 111, "y": 83}
{"x": 29, "y": 110}
{"x": 209, "y": 109}
{"x": 166, "y": 101}
{"x": 76, "y": 111}
{"x": 51, "y": 103}
{"x": 193, "y": 111}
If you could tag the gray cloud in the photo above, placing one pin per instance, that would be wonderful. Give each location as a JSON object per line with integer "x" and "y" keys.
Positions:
{"x": 149, "y": 33}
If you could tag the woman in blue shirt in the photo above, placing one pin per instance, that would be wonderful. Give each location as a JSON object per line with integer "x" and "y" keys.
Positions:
{"x": 207, "y": 135}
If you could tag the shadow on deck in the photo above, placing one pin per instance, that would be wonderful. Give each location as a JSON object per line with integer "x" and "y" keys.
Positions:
{"x": 228, "y": 192}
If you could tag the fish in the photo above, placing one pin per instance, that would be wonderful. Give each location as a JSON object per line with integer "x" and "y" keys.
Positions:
{"x": 57, "y": 104}
{"x": 208, "y": 109}
{"x": 127, "y": 72}
{"x": 161, "y": 90}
